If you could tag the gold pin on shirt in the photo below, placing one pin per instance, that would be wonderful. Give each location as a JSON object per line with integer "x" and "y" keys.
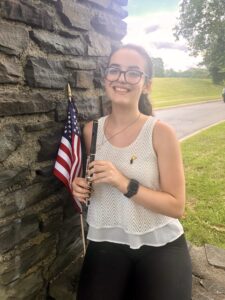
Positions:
{"x": 133, "y": 157}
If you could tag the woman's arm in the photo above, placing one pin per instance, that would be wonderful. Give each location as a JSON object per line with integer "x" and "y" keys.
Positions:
{"x": 170, "y": 200}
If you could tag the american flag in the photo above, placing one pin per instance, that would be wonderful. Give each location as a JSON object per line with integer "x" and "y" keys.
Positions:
{"x": 68, "y": 163}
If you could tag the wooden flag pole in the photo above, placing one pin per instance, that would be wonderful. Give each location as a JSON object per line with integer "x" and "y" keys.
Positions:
{"x": 82, "y": 233}
{"x": 69, "y": 94}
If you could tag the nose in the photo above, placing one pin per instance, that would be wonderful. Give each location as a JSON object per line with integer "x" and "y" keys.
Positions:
{"x": 122, "y": 78}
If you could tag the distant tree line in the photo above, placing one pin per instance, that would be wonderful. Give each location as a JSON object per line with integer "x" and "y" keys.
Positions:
{"x": 192, "y": 72}
{"x": 160, "y": 71}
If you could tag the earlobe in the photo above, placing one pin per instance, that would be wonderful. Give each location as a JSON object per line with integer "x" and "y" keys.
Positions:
{"x": 147, "y": 87}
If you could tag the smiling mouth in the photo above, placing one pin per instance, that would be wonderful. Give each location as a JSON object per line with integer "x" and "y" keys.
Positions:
{"x": 121, "y": 89}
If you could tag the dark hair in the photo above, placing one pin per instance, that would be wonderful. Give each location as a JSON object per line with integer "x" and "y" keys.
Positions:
{"x": 144, "y": 104}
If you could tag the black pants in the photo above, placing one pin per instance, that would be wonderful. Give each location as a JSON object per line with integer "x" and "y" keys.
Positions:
{"x": 116, "y": 272}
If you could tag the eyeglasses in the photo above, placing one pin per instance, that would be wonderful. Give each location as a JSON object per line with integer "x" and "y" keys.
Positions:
{"x": 131, "y": 76}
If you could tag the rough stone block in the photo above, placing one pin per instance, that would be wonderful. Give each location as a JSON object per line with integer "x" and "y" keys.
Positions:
{"x": 62, "y": 288}
{"x": 25, "y": 259}
{"x": 24, "y": 288}
{"x": 65, "y": 286}
{"x": 10, "y": 71}
{"x": 11, "y": 177}
{"x": 49, "y": 145}
{"x": 20, "y": 229}
{"x": 215, "y": 256}
{"x": 74, "y": 14}
{"x": 69, "y": 231}
{"x": 200, "y": 266}
{"x": 117, "y": 10}
{"x": 45, "y": 171}
{"x": 99, "y": 45}
{"x": 102, "y": 3}
{"x": 51, "y": 221}
{"x": 39, "y": 126}
{"x": 213, "y": 286}
{"x": 10, "y": 138}
{"x": 122, "y": 2}
{"x": 27, "y": 196}
{"x": 13, "y": 39}
{"x": 88, "y": 108}
{"x": 36, "y": 15}
{"x": 62, "y": 261}
{"x": 20, "y": 103}
{"x": 81, "y": 63}
{"x": 42, "y": 72}
{"x": 84, "y": 79}
{"x": 53, "y": 43}
{"x": 61, "y": 111}
{"x": 109, "y": 25}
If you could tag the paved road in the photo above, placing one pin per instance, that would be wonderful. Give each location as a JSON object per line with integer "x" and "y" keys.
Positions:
{"x": 188, "y": 119}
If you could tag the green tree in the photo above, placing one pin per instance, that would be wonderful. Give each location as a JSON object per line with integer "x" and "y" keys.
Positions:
{"x": 158, "y": 67}
{"x": 202, "y": 24}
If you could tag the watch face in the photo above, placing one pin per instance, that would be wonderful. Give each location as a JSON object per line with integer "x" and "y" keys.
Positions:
{"x": 132, "y": 188}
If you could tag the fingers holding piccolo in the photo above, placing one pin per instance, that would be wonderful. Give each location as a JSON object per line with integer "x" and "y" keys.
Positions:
{"x": 81, "y": 189}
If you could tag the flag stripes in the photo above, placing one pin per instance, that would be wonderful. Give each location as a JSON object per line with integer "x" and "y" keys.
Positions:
{"x": 68, "y": 163}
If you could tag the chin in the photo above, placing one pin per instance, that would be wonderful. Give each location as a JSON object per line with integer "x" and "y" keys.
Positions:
{"x": 121, "y": 99}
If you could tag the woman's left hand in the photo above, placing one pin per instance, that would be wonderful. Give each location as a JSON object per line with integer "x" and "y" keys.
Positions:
{"x": 102, "y": 171}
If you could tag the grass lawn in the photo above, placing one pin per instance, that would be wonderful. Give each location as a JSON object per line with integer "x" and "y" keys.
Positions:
{"x": 176, "y": 91}
{"x": 204, "y": 162}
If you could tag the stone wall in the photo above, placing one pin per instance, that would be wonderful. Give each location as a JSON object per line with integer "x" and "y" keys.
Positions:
{"x": 44, "y": 44}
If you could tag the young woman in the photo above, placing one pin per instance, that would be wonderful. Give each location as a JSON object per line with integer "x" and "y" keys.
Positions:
{"x": 137, "y": 248}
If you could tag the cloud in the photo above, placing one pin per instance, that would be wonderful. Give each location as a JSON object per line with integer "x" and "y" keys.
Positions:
{"x": 155, "y": 33}
{"x": 170, "y": 45}
{"x": 151, "y": 28}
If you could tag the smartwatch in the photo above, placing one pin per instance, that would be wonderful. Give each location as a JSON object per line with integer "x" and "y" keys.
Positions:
{"x": 132, "y": 188}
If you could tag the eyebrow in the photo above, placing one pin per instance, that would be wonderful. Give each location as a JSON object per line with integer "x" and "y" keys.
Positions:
{"x": 129, "y": 67}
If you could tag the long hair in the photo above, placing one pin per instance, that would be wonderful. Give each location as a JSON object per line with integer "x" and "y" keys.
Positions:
{"x": 144, "y": 104}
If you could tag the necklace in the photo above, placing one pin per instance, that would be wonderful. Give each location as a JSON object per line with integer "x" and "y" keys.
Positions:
{"x": 117, "y": 133}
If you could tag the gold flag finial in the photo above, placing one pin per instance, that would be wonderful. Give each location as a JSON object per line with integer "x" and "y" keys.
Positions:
{"x": 69, "y": 93}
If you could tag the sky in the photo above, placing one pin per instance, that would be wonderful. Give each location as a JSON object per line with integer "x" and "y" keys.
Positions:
{"x": 150, "y": 23}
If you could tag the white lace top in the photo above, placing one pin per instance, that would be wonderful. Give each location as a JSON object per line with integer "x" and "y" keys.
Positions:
{"x": 115, "y": 218}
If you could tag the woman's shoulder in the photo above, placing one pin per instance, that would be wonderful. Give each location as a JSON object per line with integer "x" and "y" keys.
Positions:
{"x": 163, "y": 128}
{"x": 163, "y": 134}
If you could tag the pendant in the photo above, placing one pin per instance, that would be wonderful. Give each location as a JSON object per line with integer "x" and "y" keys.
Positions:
{"x": 133, "y": 157}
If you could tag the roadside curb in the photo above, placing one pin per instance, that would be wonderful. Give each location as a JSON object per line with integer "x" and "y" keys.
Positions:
{"x": 199, "y": 131}
{"x": 187, "y": 104}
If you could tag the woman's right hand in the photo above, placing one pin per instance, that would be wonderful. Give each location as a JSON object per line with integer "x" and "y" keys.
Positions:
{"x": 81, "y": 189}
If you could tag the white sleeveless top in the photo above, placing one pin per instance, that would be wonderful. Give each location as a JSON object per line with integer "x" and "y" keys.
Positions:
{"x": 115, "y": 218}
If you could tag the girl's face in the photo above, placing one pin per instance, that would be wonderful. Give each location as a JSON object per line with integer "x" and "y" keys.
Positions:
{"x": 121, "y": 91}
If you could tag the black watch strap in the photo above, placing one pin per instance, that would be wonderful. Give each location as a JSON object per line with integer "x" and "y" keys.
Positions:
{"x": 132, "y": 188}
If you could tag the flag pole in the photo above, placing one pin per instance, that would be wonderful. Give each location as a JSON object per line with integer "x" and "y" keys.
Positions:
{"x": 82, "y": 233}
{"x": 69, "y": 94}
